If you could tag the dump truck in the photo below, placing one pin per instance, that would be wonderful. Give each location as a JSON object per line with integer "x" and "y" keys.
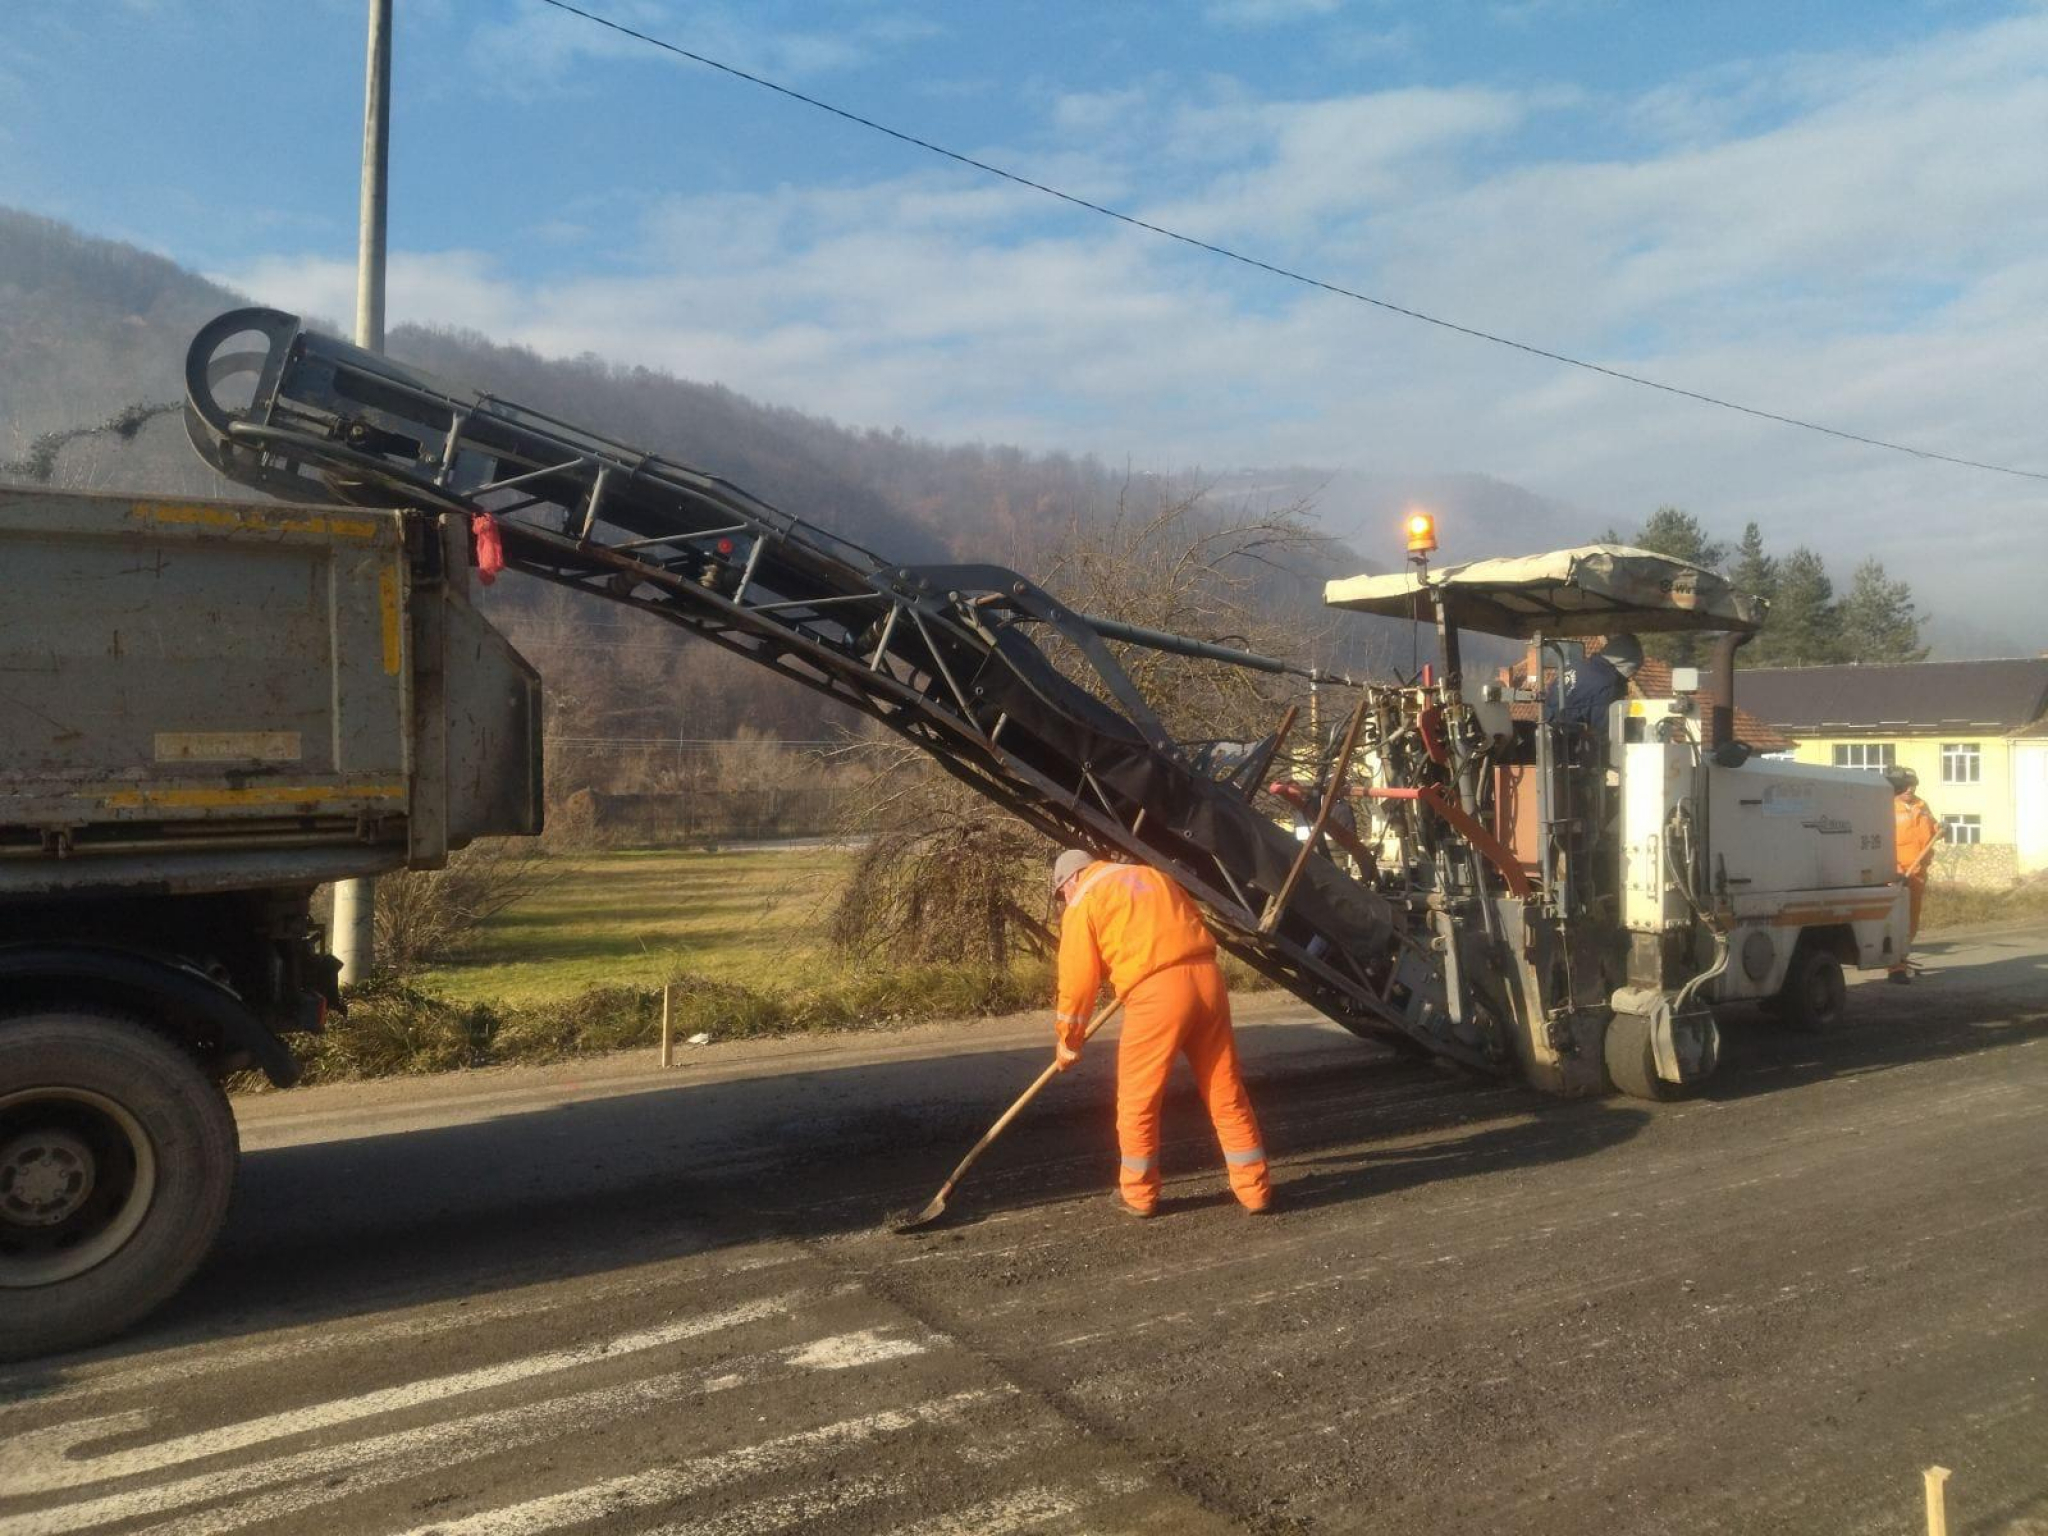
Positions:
{"x": 215, "y": 706}
{"x": 211, "y": 708}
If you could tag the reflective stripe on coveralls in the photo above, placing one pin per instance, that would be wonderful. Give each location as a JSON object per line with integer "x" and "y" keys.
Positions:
{"x": 1140, "y": 927}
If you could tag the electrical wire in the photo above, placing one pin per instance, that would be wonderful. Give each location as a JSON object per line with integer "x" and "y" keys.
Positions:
{"x": 1288, "y": 273}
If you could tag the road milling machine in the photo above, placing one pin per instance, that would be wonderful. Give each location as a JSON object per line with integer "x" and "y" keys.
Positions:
{"x": 1582, "y": 898}
{"x": 214, "y": 707}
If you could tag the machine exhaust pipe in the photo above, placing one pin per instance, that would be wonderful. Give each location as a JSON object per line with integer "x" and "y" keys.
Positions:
{"x": 1721, "y": 723}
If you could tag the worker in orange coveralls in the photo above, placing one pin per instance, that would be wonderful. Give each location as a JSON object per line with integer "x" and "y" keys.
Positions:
{"x": 1141, "y": 928}
{"x": 1918, "y": 835}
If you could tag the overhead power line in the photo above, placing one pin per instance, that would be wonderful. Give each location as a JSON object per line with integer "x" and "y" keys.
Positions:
{"x": 1275, "y": 270}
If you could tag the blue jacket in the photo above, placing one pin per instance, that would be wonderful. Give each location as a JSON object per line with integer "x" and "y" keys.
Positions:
{"x": 1595, "y": 684}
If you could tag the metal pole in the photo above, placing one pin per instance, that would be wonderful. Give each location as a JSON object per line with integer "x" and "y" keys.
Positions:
{"x": 376, "y": 163}
{"x": 355, "y": 901}
{"x": 1278, "y": 904}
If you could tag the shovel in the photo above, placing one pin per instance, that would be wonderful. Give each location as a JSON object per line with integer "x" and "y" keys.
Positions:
{"x": 937, "y": 1208}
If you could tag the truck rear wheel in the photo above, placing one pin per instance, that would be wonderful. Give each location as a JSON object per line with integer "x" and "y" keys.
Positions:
{"x": 117, "y": 1162}
{"x": 1814, "y": 997}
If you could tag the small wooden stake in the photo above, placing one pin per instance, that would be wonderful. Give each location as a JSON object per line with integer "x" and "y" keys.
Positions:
{"x": 668, "y": 1043}
{"x": 1937, "y": 1500}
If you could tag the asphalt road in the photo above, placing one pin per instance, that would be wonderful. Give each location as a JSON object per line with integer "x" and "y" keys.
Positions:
{"x": 607, "y": 1298}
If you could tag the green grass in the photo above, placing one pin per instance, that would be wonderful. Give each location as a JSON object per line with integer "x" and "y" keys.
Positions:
{"x": 635, "y": 918}
{"x": 579, "y": 967}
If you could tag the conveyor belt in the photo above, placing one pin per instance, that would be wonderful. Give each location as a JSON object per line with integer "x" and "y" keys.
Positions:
{"x": 942, "y": 655}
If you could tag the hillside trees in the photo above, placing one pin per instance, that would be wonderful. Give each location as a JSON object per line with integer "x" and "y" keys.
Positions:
{"x": 1876, "y": 621}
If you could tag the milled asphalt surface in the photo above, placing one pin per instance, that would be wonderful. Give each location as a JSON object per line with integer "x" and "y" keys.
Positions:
{"x": 604, "y": 1297}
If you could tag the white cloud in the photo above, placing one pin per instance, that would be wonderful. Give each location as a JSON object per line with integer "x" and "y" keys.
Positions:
{"x": 539, "y": 48}
{"x": 1268, "y": 13}
{"x": 1854, "y": 240}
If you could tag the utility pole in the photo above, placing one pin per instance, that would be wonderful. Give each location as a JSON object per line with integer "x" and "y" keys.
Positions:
{"x": 355, "y": 901}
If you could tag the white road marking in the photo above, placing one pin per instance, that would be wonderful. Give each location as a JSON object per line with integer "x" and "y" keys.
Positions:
{"x": 846, "y": 1350}
{"x": 22, "y": 1389}
{"x": 38, "y": 1460}
{"x": 327, "y": 1474}
{"x": 664, "y": 1485}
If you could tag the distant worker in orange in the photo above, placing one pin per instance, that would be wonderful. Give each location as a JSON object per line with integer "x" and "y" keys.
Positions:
{"x": 1143, "y": 930}
{"x": 1918, "y": 836}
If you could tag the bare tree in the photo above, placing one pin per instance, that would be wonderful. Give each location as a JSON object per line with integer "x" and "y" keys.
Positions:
{"x": 944, "y": 876}
{"x": 947, "y": 874}
{"x": 424, "y": 914}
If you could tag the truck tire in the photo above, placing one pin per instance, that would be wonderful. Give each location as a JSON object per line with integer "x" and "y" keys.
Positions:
{"x": 1814, "y": 996}
{"x": 117, "y": 1162}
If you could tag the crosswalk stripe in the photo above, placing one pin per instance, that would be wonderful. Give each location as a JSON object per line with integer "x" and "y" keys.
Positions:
{"x": 664, "y": 1485}
{"x": 36, "y": 1461}
{"x": 328, "y": 1474}
{"x": 799, "y": 1511}
{"x": 29, "y": 1389}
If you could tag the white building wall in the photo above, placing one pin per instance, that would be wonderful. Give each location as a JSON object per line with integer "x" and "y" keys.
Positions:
{"x": 2030, "y": 803}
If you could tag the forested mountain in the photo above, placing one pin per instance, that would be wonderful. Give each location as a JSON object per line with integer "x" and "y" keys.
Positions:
{"x": 90, "y": 327}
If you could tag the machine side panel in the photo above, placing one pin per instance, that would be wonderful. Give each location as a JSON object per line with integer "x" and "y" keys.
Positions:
{"x": 1795, "y": 827}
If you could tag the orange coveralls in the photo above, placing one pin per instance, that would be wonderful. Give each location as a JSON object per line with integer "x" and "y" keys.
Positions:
{"x": 1915, "y": 830}
{"x": 1141, "y": 927}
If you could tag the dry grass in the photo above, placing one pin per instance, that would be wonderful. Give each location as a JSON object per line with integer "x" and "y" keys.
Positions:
{"x": 1951, "y": 906}
{"x": 393, "y": 1029}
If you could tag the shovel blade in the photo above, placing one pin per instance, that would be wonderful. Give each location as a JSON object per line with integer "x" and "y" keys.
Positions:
{"x": 930, "y": 1213}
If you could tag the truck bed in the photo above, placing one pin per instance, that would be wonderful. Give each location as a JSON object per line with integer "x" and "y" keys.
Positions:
{"x": 211, "y": 694}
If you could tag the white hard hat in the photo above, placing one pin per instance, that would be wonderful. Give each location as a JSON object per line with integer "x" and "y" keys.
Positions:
{"x": 1069, "y": 864}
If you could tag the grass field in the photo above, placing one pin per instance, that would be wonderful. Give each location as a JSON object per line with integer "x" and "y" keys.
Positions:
{"x": 634, "y": 918}
{"x": 580, "y": 964}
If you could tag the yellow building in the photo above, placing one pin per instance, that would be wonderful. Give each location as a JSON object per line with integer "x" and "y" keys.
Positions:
{"x": 1976, "y": 732}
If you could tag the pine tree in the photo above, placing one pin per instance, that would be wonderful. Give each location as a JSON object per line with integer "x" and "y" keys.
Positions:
{"x": 1806, "y": 624}
{"x": 1678, "y": 534}
{"x": 1878, "y": 621}
{"x": 1756, "y": 573}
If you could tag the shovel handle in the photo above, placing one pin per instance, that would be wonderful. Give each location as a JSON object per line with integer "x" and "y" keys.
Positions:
{"x": 1109, "y": 1011}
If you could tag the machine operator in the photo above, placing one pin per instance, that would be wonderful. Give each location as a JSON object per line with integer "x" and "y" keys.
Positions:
{"x": 1598, "y": 681}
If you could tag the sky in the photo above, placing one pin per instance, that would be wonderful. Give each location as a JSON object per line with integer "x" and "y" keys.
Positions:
{"x": 1832, "y": 211}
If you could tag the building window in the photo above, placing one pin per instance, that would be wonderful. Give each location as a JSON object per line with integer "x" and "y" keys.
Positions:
{"x": 1865, "y": 754}
{"x": 1962, "y": 762}
{"x": 1964, "y": 831}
